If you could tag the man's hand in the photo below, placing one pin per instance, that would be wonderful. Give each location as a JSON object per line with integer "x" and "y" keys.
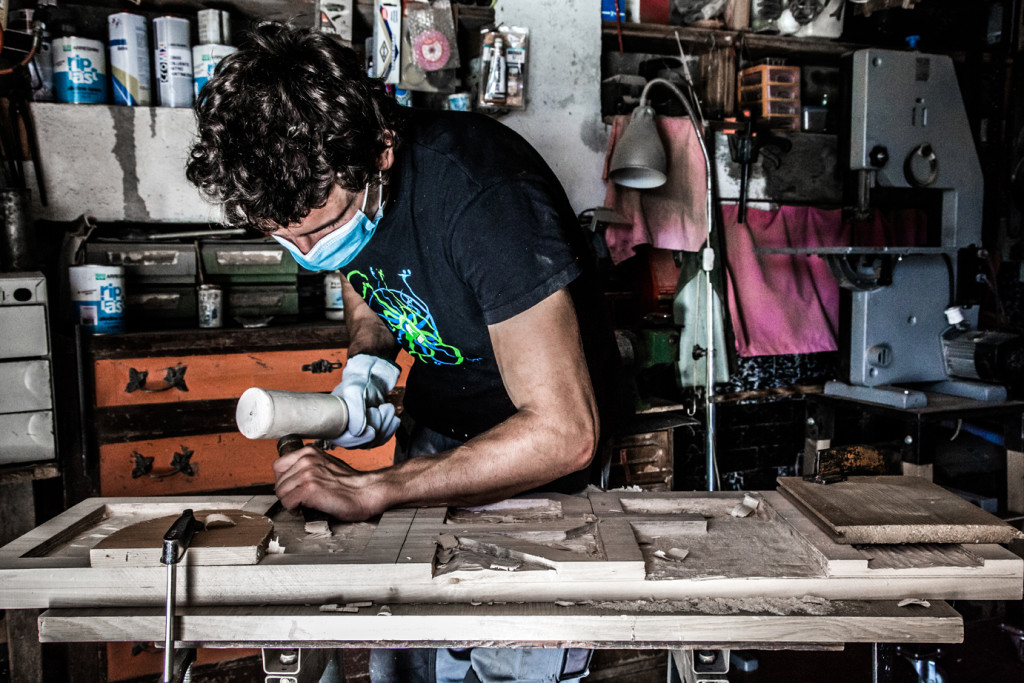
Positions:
{"x": 365, "y": 383}
{"x": 312, "y": 478}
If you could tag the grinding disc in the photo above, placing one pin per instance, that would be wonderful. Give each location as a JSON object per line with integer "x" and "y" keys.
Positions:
{"x": 430, "y": 50}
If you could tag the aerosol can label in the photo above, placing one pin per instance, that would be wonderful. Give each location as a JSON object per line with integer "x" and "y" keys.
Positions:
{"x": 79, "y": 70}
{"x": 173, "y": 61}
{"x": 129, "y": 59}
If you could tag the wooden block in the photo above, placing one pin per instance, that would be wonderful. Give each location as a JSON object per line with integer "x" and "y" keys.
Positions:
{"x": 894, "y": 509}
{"x": 242, "y": 539}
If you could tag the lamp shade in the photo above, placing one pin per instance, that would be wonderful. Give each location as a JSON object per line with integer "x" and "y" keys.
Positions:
{"x": 639, "y": 157}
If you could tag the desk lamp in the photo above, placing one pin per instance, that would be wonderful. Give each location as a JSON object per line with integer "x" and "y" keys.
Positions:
{"x": 639, "y": 162}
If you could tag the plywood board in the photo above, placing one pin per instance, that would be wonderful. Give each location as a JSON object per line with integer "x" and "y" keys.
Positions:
{"x": 621, "y": 545}
{"x": 791, "y": 622}
{"x": 894, "y": 509}
{"x": 232, "y": 537}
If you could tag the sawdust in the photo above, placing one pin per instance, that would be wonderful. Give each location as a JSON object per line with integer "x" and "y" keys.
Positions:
{"x": 811, "y": 605}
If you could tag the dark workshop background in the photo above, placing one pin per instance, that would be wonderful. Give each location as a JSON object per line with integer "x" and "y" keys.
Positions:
{"x": 762, "y": 409}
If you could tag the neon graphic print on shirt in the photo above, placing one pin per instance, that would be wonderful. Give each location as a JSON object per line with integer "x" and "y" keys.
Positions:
{"x": 408, "y": 317}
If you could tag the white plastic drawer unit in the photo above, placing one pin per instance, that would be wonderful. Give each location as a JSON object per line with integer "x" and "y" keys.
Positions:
{"x": 26, "y": 382}
{"x": 26, "y": 437}
{"x": 25, "y": 386}
{"x": 23, "y": 332}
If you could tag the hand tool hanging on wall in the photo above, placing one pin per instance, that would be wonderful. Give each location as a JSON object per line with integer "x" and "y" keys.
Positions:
{"x": 176, "y": 543}
{"x": 746, "y": 141}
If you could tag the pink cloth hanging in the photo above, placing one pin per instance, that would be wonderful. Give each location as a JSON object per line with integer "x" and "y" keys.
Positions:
{"x": 789, "y": 303}
{"x": 671, "y": 216}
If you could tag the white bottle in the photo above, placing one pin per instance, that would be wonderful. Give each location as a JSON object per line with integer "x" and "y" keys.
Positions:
{"x": 334, "y": 309}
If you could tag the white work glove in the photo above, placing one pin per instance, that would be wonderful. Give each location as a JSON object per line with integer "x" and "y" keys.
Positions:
{"x": 365, "y": 383}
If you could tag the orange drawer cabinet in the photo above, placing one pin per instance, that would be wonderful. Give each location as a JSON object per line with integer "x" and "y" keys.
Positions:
{"x": 162, "y": 404}
{"x": 159, "y": 420}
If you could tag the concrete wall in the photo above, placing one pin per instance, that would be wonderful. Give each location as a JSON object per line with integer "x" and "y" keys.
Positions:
{"x": 117, "y": 164}
{"x": 563, "y": 114}
{"x": 127, "y": 164}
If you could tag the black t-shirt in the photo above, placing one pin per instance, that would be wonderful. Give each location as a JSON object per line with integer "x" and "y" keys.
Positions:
{"x": 476, "y": 229}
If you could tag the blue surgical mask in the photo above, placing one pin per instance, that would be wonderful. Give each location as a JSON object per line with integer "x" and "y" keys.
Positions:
{"x": 337, "y": 249}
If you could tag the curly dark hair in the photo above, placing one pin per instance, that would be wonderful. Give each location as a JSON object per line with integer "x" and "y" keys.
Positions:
{"x": 282, "y": 120}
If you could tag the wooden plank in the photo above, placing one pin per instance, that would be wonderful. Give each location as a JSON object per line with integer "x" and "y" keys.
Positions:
{"x": 241, "y": 538}
{"x": 895, "y": 509}
{"x": 774, "y": 553}
{"x": 632, "y": 624}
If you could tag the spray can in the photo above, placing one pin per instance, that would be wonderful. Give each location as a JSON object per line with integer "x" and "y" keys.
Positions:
{"x": 79, "y": 70}
{"x": 214, "y": 27}
{"x": 129, "y": 59}
{"x": 205, "y": 59}
{"x": 172, "y": 59}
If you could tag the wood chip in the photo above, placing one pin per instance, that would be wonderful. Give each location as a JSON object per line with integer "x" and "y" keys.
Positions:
{"x": 745, "y": 508}
{"x": 913, "y": 601}
{"x": 318, "y": 529}
{"x": 447, "y": 541}
{"x": 217, "y": 520}
{"x": 274, "y": 548}
{"x": 338, "y": 608}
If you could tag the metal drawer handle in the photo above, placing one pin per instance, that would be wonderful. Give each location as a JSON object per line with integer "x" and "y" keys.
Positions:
{"x": 322, "y": 366}
{"x": 173, "y": 379}
{"x": 142, "y": 466}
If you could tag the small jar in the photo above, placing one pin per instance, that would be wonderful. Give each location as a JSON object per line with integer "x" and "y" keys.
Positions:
{"x": 334, "y": 309}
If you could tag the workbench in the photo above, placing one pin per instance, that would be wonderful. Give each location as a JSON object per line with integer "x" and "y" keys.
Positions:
{"x": 619, "y": 569}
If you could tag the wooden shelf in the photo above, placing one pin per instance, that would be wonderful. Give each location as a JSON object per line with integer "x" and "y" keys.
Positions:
{"x": 646, "y": 36}
{"x": 14, "y": 475}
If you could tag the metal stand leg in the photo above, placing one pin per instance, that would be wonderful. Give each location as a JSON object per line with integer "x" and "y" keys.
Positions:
{"x": 882, "y": 655}
{"x": 295, "y": 665}
{"x": 700, "y": 666}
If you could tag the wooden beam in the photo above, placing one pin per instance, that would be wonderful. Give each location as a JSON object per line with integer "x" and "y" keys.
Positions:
{"x": 618, "y": 624}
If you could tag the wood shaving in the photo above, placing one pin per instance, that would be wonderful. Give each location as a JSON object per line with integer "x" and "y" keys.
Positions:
{"x": 337, "y": 608}
{"x": 318, "y": 529}
{"x": 447, "y": 541}
{"x": 274, "y": 548}
{"x": 217, "y": 520}
{"x": 745, "y": 508}
{"x": 384, "y": 611}
{"x": 913, "y": 601}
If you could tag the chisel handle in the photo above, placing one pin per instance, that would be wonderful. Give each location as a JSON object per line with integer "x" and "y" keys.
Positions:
{"x": 285, "y": 445}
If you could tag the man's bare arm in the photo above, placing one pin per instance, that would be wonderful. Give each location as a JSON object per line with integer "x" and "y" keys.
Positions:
{"x": 367, "y": 332}
{"x": 553, "y": 433}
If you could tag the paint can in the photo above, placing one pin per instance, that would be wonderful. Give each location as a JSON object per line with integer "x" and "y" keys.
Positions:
{"x": 211, "y": 306}
{"x": 205, "y": 59}
{"x": 172, "y": 57}
{"x": 129, "y": 59}
{"x": 459, "y": 101}
{"x": 214, "y": 27}
{"x": 97, "y": 293}
{"x": 79, "y": 70}
{"x": 334, "y": 307}
{"x": 403, "y": 97}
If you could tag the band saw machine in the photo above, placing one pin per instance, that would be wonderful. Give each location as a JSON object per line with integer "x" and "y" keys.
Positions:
{"x": 908, "y": 324}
